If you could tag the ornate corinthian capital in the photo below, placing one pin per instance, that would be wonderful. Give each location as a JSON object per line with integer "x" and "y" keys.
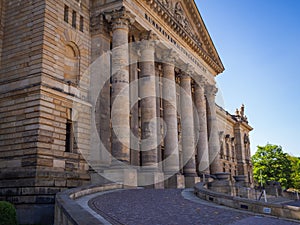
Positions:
{"x": 148, "y": 36}
{"x": 211, "y": 90}
{"x": 167, "y": 56}
{"x": 200, "y": 81}
{"x": 188, "y": 69}
{"x": 120, "y": 18}
{"x": 148, "y": 40}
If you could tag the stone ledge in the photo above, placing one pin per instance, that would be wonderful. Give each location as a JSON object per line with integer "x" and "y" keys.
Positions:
{"x": 278, "y": 210}
{"x": 67, "y": 211}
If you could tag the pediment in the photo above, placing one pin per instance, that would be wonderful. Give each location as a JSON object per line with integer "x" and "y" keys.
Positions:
{"x": 187, "y": 16}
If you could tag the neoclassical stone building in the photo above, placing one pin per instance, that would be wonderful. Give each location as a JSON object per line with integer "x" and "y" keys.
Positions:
{"x": 154, "y": 113}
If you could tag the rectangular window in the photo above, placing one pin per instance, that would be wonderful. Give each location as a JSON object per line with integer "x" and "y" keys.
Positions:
{"x": 74, "y": 19}
{"x": 81, "y": 24}
{"x": 66, "y": 14}
{"x": 69, "y": 137}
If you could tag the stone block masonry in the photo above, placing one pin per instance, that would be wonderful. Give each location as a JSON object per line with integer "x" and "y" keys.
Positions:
{"x": 46, "y": 110}
{"x": 35, "y": 106}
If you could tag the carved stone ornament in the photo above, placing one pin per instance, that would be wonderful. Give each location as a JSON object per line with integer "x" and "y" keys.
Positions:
{"x": 200, "y": 80}
{"x": 120, "y": 18}
{"x": 182, "y": 19}
{"x": 167, "y": 56}
{"x": 165, "y": 3}
{"x": 98, "y": 23}
{"x": 189, "y": 69}
{"x": 211, "y": 90}
{"x": 148, "y": 36}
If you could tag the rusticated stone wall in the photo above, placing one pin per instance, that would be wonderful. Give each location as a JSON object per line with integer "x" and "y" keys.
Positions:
{"x": 36, "y": 102}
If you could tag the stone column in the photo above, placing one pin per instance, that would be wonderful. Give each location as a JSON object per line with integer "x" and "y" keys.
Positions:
{"x": 170, "y": 118}
{"x": 120, "y": 97}
{"x": 187, "y": 126}
{"x": 147, "y": 89}
{"x": 213, "y": 130}
{"x": 134, "y": 98}
{"x": 100, "y": 42}
{"x": 171, "y": 151}
{"x": 120, "y": 85}
{"x": 202, "y": 145}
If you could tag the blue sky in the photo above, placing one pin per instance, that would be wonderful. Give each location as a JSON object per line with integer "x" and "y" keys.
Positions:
{"x": 258, "y": 42}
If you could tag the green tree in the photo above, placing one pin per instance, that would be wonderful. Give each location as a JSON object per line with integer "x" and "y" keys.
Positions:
{"x": 7, "y": 214}
{"x": 270, "y": 163}
{"x": 295, "y": 176}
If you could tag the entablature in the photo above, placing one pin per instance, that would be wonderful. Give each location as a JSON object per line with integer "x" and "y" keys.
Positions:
{"x": 172, "y": 13}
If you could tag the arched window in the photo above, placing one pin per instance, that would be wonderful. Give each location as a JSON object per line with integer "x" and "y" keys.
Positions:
{"x": 71, "y": 65}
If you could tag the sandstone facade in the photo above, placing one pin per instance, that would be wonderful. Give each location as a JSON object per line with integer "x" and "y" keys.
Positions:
{"x": 47, "y": 113}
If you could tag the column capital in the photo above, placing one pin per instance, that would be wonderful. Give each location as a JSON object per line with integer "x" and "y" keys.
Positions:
{"x": 189, "y": 69}
{"x": 99, "y": 24}
{"x": 167, "y": 56}
{"x": 200, "y": 81}
{"x": 186, "y": 71}
{"x": 120, "y": 18}
{"x": 148, "y": 35}
{"x": 147, "y": 40}
{"x": 211, "y": 90}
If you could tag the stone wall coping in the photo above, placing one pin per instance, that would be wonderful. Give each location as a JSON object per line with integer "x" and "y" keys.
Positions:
{"x": 67, "y": 210}
{"x": 272, "y": 209}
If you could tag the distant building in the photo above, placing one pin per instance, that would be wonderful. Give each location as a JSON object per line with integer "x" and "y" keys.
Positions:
{"x": 46, "y": 48}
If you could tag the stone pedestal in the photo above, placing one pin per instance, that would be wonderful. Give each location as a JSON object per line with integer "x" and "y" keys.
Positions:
{"x": 222, "y": 184}
{"x": 127, "y": 177}
{"x": 191, "y": 181}
{"x": 151, "y": 179}
{"x": 240, "y": 180}
{"x": 175, "y": 181}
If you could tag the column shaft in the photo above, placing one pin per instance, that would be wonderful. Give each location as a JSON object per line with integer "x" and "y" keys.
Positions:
{"x": 187, "y": 126}
{"x": 134, "y": 119}
{"x": 213, "y": 135}
{"x": 170, "y": 118}
{"x": 202, "y": 145}
{"x": 120, "y": 90}
{"x": 147, "y": 86}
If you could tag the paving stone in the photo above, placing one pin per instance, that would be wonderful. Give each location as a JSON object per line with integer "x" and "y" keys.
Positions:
{"x": 155, "y": 207}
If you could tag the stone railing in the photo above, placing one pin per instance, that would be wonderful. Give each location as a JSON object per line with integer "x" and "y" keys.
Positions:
{"x": 67, "y": 211}
{"x": 278, "y": 210}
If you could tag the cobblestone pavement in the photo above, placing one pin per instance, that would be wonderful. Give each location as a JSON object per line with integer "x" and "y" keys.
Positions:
{"x": 163, "y": 207}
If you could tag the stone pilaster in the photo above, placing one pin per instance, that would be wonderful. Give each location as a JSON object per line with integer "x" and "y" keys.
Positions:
{"x": 213, "y": 131}
{"x": 120, "y": 21}
{"x": 147, "y": 90}
{"x": 187, "y": 125}
{"x": 202, "y": 145}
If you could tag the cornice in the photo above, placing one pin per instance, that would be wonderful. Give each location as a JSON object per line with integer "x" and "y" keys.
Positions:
{"x": 169, "y": 16}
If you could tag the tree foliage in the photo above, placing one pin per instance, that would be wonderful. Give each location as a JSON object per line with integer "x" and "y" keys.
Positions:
{"x": 270, "y": 163}
{"x": 7, "y": 214}
{"x": 295, "y": 176}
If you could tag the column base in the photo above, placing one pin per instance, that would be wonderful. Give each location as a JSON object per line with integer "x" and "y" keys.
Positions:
{"x": 176, "y": 181}
{"x": 127, "y": 177}
{"x": 151, "y": 179}
{"x": 191, "y": 181}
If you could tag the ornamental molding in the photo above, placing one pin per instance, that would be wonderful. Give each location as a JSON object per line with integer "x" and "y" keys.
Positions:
{"x": 173, "y": 14}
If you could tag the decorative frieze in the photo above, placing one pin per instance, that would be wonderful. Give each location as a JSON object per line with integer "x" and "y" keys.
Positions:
{"x": 175, "y": 18}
